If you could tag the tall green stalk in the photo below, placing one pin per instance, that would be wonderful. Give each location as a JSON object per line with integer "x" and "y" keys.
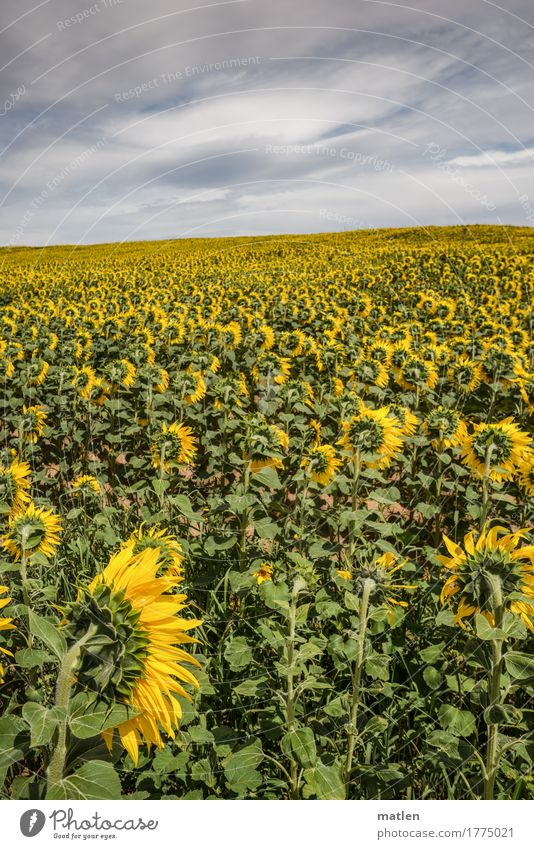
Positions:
{"x": 494, "y": 690}
{"x": 368, "y": 586}
{"x": 486, "y": 487}
{"x": 56, "y": 767}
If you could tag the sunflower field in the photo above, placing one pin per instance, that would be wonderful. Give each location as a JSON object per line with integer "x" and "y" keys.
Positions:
{"x": 265, "y": 518}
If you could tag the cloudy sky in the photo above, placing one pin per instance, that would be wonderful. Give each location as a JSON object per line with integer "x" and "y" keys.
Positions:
{"x": 123, "y": 119}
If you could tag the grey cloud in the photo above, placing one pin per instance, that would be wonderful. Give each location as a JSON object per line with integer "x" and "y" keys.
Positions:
{"x": 131, "y": 120}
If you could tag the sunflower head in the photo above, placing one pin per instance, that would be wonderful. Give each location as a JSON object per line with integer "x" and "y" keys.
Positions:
{"x": 375, "y": 435}
{"x": 408, "y": 422}
{"x": 129, "y": 617}
{"x": 121, "y": 373}
{"x": 15, "y": 485}
{"x": 370, "y": 372}
{"x": 33, "y": 530}
{"x": 321, "y": 464}
{"x": 417, "y": 373}
{"x": 471, "y": 572}
{"x": 32, "y": 422}
{"x": 173, "y": 446}
{"x": 263, "y": 573}
{"x": 465, "y": 374}
{"x": 495, "y": 449}
{"x": 170, "y": 551}
{"x": 526, "y": 474}
{"x": 270, "y": 367}
{"x": 264, "y": 443}
{"x": 444, "y": 427}
{"x": 86, "y": 485}
{"x": 380, "y": 574}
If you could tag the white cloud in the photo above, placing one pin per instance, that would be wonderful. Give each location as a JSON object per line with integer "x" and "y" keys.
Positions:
{"x": 493, "y": 158}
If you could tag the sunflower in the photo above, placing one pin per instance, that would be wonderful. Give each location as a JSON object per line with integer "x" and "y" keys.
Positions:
{"x": 265, "y": 444}
{"x": 229, "y": 392}
{"x": 84, "y": 380}
{"x": 526, "y": 387}
{"x": 526, "y": 474}
{"x": 465, "y": 374}
{"x": 121, "y": 373}
{"x": 264, "y": 573}
{"x": 33, "y": 529}
{"x": 380, "y": 571}
{"x": 32, "y": 422}
{"x": 321, "y": 464}
{"x": 408, "y": 422}
{"x": 7, "y": 369}
{"x": 373, "y": 432}
{"x": 170, "y": 551}
{"x": 136, "y": 656}
{"x": 5, "y": 625}
{"x": 14, "y": 485}
{"x": 36, "y": 372}
{"x": 370, "y": 372}
{"x": 175, "y": 445}
{"x": 86, "y": 485}
{"x": 194, "y": 388}
{"x": 270, "y": 367}
{"x": 416, "y": 372}
{"x": 502, "y": 445}
{"x": 445, "y": 428}
{"x": 162, "y": 376}
{"x": 494, "y": 555}
{"x": 230, "y": 334}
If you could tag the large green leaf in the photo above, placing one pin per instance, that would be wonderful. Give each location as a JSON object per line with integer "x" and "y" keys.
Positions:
{"x": 93, "y": 780}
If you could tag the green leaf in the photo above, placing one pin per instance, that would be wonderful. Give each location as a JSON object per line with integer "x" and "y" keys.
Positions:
{"x": 459, "y": 722}
{"x": 275, "y": 596}
{"x": 93, "y": 780}
{"x": 94, "y": 718}
{"x": 160, "y": 486}
{"x": 432, "y": 677}
{"x": 14, "y": 740}
{"x": 300, "y": 745}
{"x": 432, "y": 653}
{"x": 485, "y": 630}
{"x": 239, "y": 504}
{"x": 42, "y": 722}
{"x": 185, "y": 507}
{"x": 240, "y": 768}
{"x": 377, "y": 667}
{"x": 519, "y": 665}
{"x": 29, "y": 658}
{"x": 267, "y": 477}
{"x": 325, "y": 782}
{"x": 238, "y": 654}
{"x": 503, "y": 715}
{"x": 48, "y": 632}
{"x": 200, "y": 735}
{"x": 250, "y": 686}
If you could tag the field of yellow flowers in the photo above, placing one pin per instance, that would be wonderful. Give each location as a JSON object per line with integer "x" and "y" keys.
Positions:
{"x": 265, "y": 518}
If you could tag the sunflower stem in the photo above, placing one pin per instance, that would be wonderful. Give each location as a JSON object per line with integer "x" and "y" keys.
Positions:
{"x": 56, "y": 767}
{"x": 486, "y": 488}
{"x": 356, "y": 679}
{"x": 244, "y": 519}
{"x": 161, "y": 475}
{"x": 494, "y": 690}
{"x": 356, "y": 469}
{"x": 291, "y": 694}
{"x": 24, "y": 582}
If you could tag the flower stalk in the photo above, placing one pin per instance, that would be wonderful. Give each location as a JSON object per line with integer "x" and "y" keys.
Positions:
{"x": 64, "y": 682}
{"x": 368, "y": 586}
{"x": 494, "y": 690}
